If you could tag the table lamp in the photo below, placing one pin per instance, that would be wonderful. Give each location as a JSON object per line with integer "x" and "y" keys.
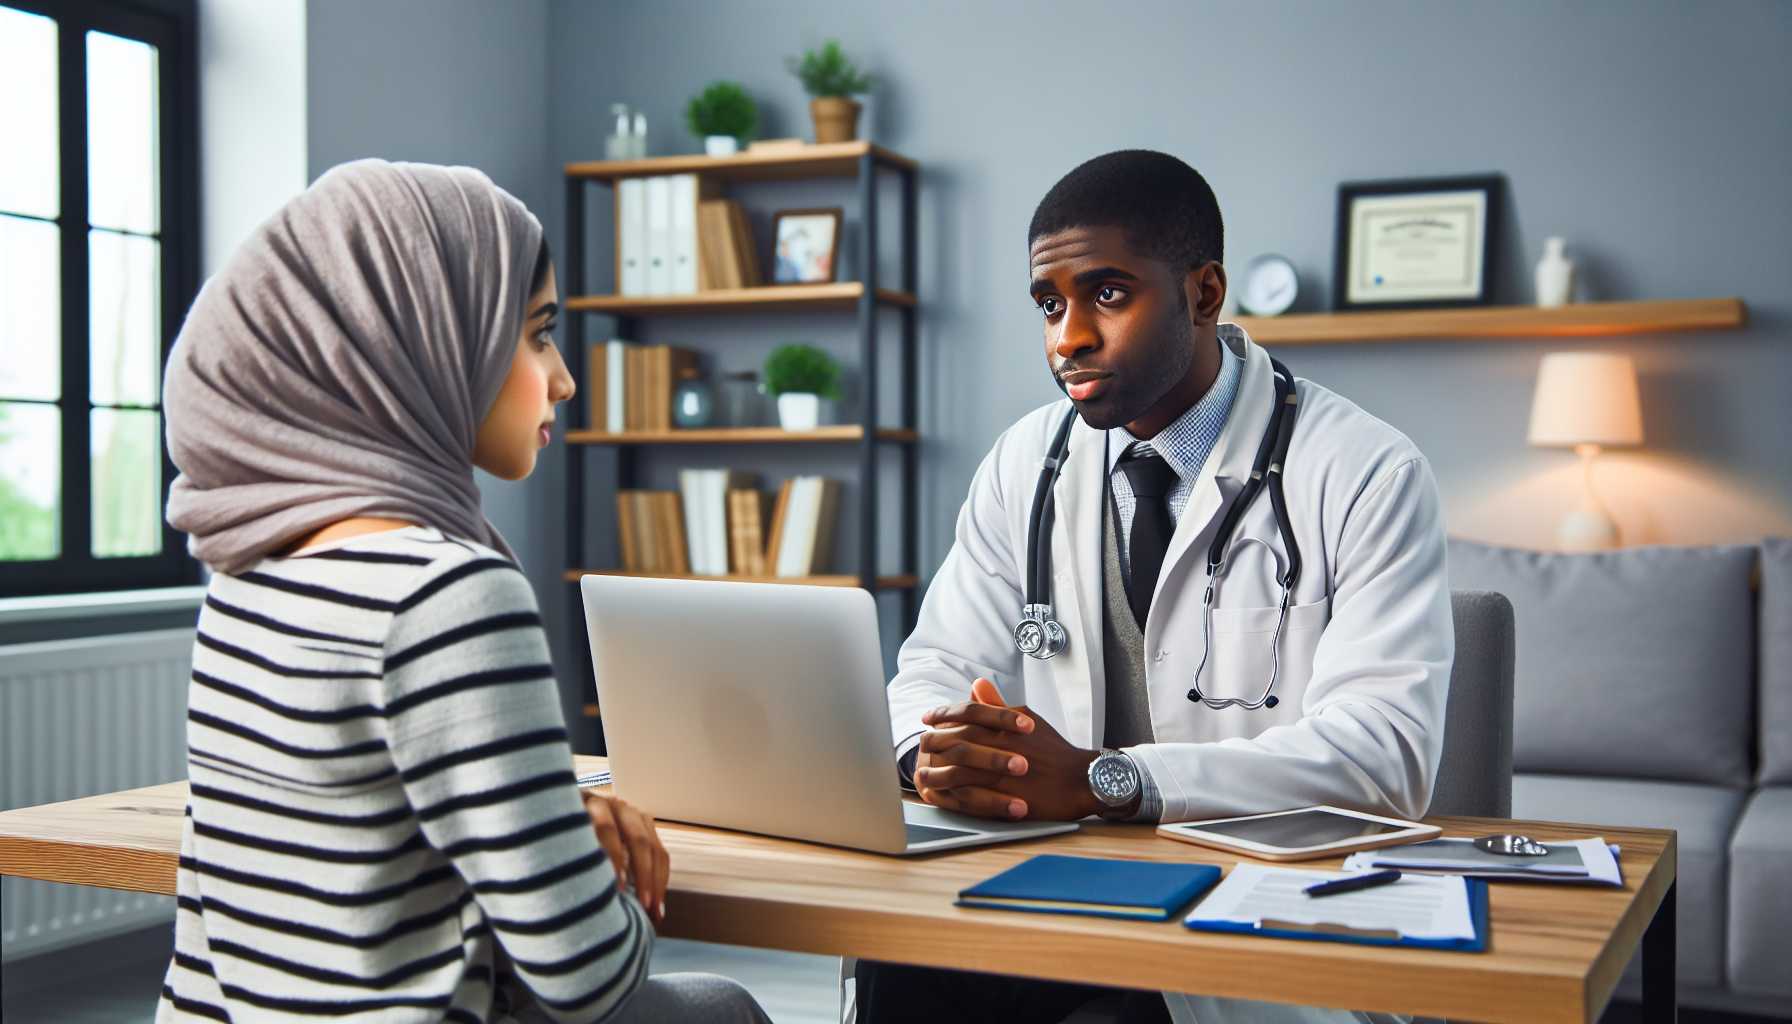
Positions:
{"x": 1586, "y": 400}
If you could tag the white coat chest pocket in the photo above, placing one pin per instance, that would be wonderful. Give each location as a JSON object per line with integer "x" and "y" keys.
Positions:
{"x": 1246, "y": 651}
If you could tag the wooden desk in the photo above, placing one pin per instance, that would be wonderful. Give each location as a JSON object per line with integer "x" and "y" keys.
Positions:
{"x": 1556, "y": 951}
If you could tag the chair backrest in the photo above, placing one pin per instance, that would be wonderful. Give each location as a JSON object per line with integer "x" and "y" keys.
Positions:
{"x": 1475, "y": 774}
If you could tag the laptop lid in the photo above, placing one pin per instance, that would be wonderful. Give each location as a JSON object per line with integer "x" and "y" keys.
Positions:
{"x": 749, "y": 706}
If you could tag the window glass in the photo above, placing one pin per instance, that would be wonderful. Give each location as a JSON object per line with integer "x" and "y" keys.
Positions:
{"x": 30, "y": 481}
{"x": 123, "y": 152}
{"x": 124, "y": 306}
{"x": 30, "y": 309}
{"x": 30, "y": 159}
{"x": 127, "y": 482}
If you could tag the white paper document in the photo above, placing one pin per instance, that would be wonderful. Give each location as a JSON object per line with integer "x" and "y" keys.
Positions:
{"x": 1569, "y": 860}
{"x": 1416, "y": 906}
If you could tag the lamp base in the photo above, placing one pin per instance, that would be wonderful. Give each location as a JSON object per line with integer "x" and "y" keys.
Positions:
{"x": 1589, "y": 527}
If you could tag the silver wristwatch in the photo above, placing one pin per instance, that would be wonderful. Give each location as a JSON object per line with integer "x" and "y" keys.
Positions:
{"x": 1114, "y": 778}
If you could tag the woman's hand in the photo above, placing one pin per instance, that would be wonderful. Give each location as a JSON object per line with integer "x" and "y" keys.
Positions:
{"x": 628, "y": 836}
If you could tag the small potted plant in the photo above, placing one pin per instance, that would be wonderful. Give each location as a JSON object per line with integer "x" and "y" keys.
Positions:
{"x": 831, "y": 80}
{"x": 724, "y": 115}
{"x": 800, "y": 376}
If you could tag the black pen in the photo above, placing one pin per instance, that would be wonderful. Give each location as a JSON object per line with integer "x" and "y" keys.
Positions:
{"x": 1353, "y": 883}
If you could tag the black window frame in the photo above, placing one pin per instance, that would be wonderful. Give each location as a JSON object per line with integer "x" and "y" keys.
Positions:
{"x": 172, "y": 26}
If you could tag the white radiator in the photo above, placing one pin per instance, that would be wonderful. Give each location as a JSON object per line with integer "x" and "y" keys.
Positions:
{"x": 81, "y": 717}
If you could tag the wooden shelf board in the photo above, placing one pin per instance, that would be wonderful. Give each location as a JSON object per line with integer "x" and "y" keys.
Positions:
{"x": 830, "y": 160}
{"x": 1583, "y": 320}
{"x": 883, "y": 582}
{"x": 739, "y": 435}
{"x": 833, "y": 295}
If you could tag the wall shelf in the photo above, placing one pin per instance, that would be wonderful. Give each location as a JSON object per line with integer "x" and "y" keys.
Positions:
{"x": 837, "y": 295}
{"x": 743, "y": 435}
{"x": 1589, "y": 319}
{"x": 829, "y": 160}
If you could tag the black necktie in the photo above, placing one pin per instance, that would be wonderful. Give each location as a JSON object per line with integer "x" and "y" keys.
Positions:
{"x": 1152, "y": 479}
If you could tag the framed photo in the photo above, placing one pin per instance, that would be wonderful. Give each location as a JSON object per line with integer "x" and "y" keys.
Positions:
{"x": 1415, "y": 244}
{"x": 804, "y": 245}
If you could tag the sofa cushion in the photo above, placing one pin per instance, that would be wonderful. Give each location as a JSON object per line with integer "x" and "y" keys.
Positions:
{"x": 1703, "y": 815}
{"x": 1776, "y": 660}
{"x": 1761, "y": 895}
{"x": 1635, "y": 663}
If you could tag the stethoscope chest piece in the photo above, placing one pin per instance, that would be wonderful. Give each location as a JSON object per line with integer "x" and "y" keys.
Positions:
{"x": 1508, "y": 845}
{"x": 1039, "y": 635}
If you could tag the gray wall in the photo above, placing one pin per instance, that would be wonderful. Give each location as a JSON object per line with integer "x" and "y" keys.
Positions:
{"x": 456, "y": 82}
{"x": 1653, "y": 136}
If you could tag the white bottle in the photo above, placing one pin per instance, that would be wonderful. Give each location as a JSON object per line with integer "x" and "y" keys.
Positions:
{"x": 618, "y": 146}
{"x": 639, "y": 139}
{"x": 1555, "y": 275}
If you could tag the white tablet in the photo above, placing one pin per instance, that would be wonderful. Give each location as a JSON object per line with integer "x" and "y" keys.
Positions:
{"x": 1300, "y": 834}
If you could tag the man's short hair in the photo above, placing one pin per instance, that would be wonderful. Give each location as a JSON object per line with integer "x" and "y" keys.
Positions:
{"x": 1164, "y": 206}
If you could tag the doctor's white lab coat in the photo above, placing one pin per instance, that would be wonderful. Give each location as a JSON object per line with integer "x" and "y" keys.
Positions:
{"x": 1365, "y": 653}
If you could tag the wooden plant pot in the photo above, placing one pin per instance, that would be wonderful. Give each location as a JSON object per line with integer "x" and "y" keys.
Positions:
{"x": 836, "y": 118}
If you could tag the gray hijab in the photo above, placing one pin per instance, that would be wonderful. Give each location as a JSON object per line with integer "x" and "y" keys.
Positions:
{"x": 341, "y": 363}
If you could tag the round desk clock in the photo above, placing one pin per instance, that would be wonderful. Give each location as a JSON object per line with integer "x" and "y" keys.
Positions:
{"x": 1270, "y": 285}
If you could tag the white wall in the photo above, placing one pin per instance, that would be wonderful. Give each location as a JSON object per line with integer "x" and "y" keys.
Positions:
{"x": 251, "y": 117}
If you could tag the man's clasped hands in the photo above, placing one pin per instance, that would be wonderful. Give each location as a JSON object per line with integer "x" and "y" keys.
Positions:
{"x": 984, "y": 758}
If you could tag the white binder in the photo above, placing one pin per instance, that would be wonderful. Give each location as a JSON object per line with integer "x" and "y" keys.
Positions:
{"x": 631, "y": 198}
{"x": 659, "y": 235}
{"x": 684, "y": 234}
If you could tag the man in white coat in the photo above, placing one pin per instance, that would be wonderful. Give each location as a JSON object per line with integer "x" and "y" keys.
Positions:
{"x": 1125, "y": 258}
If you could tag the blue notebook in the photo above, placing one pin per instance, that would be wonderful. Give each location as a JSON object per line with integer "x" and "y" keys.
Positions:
{"x": 1052, "y": 884}
{"x": 1477, "y": 908}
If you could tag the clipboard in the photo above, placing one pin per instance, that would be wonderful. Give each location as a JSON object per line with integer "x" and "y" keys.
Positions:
{"x": 1477, "y": 907}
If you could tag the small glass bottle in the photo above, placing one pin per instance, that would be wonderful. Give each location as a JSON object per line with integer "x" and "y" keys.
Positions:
{"x": 619, "y": 145}
{"x": 638, "y": 138}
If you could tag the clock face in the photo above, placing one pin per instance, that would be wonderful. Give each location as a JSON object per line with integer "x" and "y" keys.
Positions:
{"x": 1270, "y": 285}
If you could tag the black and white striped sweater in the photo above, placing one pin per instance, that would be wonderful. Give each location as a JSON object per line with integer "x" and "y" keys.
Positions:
{"x": 383, "y": 822}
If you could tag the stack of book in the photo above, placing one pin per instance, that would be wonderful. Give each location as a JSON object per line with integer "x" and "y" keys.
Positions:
{"x": 715, "y": 525}
{"x": 631, "y": 385}
{"x": 652, "y": 532}
{"x": 675, "y": 237}
{"x": 706, "y": 520}
{"x": 803, "y": 526}
{"x": 726, "y": 258}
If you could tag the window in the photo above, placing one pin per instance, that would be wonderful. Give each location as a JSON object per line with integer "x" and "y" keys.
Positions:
{"x": 98, "y": 262}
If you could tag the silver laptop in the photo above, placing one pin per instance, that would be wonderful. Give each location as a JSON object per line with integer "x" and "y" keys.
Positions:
{"x": 760, "y": 707}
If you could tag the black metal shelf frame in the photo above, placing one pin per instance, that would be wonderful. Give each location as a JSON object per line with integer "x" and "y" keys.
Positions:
{"x": 867, "y": 179}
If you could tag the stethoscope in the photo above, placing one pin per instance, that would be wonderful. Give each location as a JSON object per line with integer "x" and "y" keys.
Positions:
{"x": 1039, "y": 634}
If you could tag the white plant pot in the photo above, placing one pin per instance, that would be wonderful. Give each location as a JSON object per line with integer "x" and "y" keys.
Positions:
{"x": 799, "y": 411}
{"x": 721, "y": 145}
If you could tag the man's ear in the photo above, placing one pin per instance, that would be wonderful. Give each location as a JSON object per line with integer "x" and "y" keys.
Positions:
{"x": 1205, "y": 289}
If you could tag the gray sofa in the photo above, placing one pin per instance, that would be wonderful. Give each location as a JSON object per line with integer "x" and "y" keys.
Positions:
{"x": 1654, "y": 687}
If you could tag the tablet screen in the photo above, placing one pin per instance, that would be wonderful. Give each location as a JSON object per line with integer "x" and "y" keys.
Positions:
{"x": 1299, "y": 829}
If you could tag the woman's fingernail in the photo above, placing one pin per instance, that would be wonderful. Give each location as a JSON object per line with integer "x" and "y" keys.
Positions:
{"x": 1017, "y": 766}
{"x": 1025, "y": 723}
{"x": 1016, "y": 808}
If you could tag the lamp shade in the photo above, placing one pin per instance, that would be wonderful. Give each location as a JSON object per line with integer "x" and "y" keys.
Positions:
{"x": 1586, "y": 398}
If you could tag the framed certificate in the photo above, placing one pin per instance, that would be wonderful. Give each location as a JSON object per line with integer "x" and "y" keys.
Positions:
{"x": 1416, "y": 243}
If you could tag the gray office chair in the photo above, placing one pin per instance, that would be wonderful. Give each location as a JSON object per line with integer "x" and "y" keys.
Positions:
{"x": 1474, "y": 777}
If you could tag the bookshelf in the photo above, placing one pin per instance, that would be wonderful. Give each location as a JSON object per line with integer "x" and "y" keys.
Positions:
{"x": 868, "y": 439}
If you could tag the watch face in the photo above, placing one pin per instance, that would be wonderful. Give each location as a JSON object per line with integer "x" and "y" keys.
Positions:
{"x": 1114, "y": 778}
{"x": 1270, "y": 285}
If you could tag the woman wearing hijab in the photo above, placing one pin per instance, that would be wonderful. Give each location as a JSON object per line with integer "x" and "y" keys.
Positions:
{"x": 384, "y": 822}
